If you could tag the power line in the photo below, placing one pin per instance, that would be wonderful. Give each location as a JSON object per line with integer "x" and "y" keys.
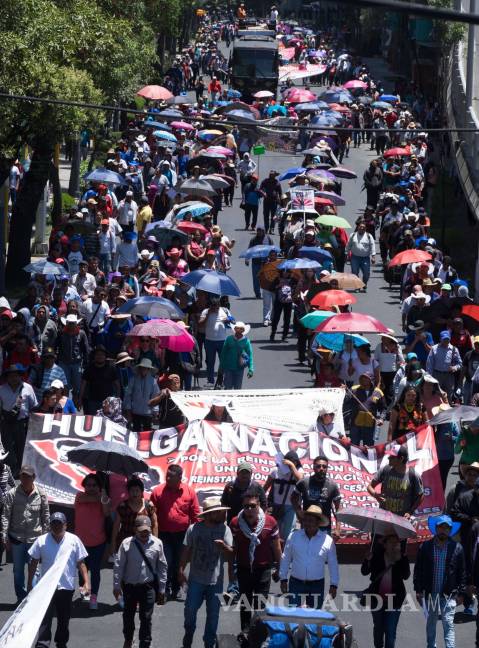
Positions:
{"x": 437, "y": 13}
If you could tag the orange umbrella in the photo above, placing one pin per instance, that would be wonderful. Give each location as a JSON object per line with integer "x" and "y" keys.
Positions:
{"x": 409, "y": 256}
{"x": 328, "y": 298}
{"x": 346, "y": 280}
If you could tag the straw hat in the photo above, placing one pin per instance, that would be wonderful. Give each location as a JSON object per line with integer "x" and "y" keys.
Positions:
{"x": 317, "y": 511}
{"x": 211, "y": 505}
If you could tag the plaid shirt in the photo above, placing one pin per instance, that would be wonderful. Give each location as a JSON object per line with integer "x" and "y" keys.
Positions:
{"x": 42, "y": 378}
{"x": 439, "y": 568}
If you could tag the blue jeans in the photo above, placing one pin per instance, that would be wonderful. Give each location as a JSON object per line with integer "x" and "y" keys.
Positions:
{"x": 197, "y": 593}
{"x": 73, "y": 376}
{"x": 233, "y": 379}
{"x": 287, "y": 521}
{"x": 268, "y": 298}
{"x": 20, "y": 559}
{"x": 385, "y": 624}
{"x": 93, "y": 563}
{"x": 212, "y": 347}
{"x": 446, "y": 608}
{"x": 361, "y": 433}
{"x": 255, "y": 268}
{"x": 105, "y": 263}
{"x": 361, "y": 263}
{"x": 313, "y": 591}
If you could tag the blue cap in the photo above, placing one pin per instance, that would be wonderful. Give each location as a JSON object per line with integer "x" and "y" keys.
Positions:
{"x": 129, "y": 236}
{"x": 58, "y": 517}
{"x": 76, "y": 237}
{"x": 411, "y": 356}
{"x": 420, "y": 240}
{"x": 460, "y": 282}
{"x": 435, "y": 520}
{"x": 444, "y": 335}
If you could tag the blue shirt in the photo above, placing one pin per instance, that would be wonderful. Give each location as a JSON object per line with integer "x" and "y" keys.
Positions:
{"x": 419, "y": 349}
{"x": 441, "y": 358}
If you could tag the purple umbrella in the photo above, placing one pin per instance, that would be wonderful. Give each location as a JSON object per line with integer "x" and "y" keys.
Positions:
{"x": 321, "y": 173}
{"x": 342, "y": 172}
{"x": 333, "y": 197}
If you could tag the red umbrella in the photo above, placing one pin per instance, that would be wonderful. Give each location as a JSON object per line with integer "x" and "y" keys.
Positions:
{"x": 396, "y": 152}
{"x": 156, "y": 328}
{"x": 409, "y": 256}
{"x": 189, "y": 227}
{"x": 338, "y": 108}
{"x": 220, "y": 149}
{"x": 351, "y": 323}
{"x": 155, "y": 92}
{"x": 323, "y": 201}
{"x": 355, "y": 83}
{"x": 472, "y": 311}
{"x": 297, "y": 95}
{"x": 328, "y": 298}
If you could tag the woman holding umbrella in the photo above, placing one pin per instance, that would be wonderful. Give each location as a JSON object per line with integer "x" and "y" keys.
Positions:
{"x": 388, "y": 567}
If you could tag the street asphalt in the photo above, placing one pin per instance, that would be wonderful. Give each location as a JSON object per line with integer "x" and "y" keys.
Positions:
{"x": 276, "y": 367}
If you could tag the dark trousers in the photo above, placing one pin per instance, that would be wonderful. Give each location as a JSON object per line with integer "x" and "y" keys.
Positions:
{"x": 144, "y": 597}
{"x": 93, "y": 563}
{"x": 91, "y": 406}
{"x": 140, "y": 423}
{"x": 302, "y": 340}
{"x": 14, "y": 434}
{"x": 445, "y": 466}
{"x": 251, "y": 584}
{"x": 250, "y": 213}
{"x": 279, "y": 308}
{"x": 61, "y": 604}
{"x": 387, "y": 378}
{"x": 385, "y": 623}
{"x": 269, "y": 210}
{"x": 172, "y": 545}
{"x": 229, "y": 195}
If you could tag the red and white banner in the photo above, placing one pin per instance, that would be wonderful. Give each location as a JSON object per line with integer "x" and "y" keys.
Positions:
{"x": 210, "y": 453}
{"x": 300, "y": 71}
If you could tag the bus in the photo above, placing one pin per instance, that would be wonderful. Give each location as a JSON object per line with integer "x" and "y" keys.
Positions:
{"x": 254, "y": 62}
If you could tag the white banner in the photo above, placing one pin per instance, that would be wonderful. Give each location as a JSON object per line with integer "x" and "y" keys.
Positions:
{"x": 22, "y": 627}
{"x": 280, "y": 409}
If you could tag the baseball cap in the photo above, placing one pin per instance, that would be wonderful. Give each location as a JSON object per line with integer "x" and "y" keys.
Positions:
{"x": 58, "y": 517}
{"x": 245, "y": 465}
{"x": 398, "y": 451}
{"x": 27, "y": 470}
{"x": 446, "y": 286}
{"x": 444, "y": 335}
{"x": 143, "y": 523}
{"x": 57, "y": 384}
{"x": 411, "y": 356}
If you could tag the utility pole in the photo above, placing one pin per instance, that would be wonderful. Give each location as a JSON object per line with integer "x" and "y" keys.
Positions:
{"x": 471, "y": 50}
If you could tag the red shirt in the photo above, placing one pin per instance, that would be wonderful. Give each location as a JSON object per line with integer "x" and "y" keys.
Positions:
{"x": 263, "y": 556}
{"x": 176, "y": 508}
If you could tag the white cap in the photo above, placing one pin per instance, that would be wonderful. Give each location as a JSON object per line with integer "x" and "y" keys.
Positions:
{"x": 57, "y": 384}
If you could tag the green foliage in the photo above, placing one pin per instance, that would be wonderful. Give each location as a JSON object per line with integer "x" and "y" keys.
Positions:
{"x": 67, "y": 201}
{"x": 448, "y": 33}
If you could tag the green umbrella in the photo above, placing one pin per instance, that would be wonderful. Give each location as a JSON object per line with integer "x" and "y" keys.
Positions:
{"x": 330, "y": 220}
{"x": 313, "y": 319}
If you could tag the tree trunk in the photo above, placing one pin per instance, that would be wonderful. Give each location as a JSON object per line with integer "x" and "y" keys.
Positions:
{"x": 57, "y": 194}
{"x": 23, "y": 216}
{"x": 74, "y": 183}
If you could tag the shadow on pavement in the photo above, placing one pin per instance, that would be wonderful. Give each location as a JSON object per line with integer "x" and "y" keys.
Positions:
{"x": 81, "y": 610}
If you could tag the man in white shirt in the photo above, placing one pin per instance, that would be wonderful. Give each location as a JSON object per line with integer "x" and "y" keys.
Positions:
{"x": 363, "y": 252}
{"x": 95, "y": 310}
{"x": 84, "y": 282}
{"x": 127, "y": 211}
{"x": 217, "y": 320}
{"x": 305, "y": 554}
{"x": 46, "y": 549}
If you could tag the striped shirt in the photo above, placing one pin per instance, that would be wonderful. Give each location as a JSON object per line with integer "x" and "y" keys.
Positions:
{"x": 42, "y": 378}
{"x": 6, "y": 481}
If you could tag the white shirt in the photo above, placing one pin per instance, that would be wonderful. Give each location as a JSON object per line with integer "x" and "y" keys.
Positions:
{"x": 46, "y": 548}
{"x": 127, "y": 212}
{"x": 307, "y": 557}
{"x": 388, "y": 362}
{"x": 95, "y": 314}
{"x": 84, "y": 284}
{"x": 216, "y": 328}
{"x": 23, "y": 395}
{"x": 360, "y": 368}
{"x": 273, "y": 16}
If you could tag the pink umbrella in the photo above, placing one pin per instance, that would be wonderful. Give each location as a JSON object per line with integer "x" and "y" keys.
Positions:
{"x": 178, "y": 343}
{"x": 220, "y": 149}
{"x": 157, "y": 328}
{"x": 297, "y": 95}
{"x": 189, "y": 227}
{"x": 181, "y": 125}
{"x": 352, "y": 323}
{"x": 155, "y": 92}
{"x": 355, "y": 83}
{"x": 263, "y": 94}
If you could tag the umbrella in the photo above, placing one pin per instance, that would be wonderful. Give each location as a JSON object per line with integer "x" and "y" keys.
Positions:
{"x": 343, "y": 96}
{"x": 314, "y": 319}
{"x": 104, "y": 175}
{"x": 455, "y": 414}
{"x": 209, "y": 134}
{"x": 216, "y": 181}
{"x": 259, "y": 252}
{"x": 472, "y": 311}
{"x": 409, "y": 256}
{"x": 335, "y": 341}
{"x": 156, "y": 328}
{"x": 355, "y": 84}
{"x": 159, "y": 134}
{"x": 329, "y": 298}
{"x": 291, "y": 173}
{"x": 233, "y": 94}
{"x": 189, "y": 227}
{"x": 155, "y": 124}
{"x": 220, "y": 149}
{"x": 108, "y": 456}
{"x": 389, "y": 98}
{"x": 277, "y": 109}
{"x": 330, "y": 220}
{"x": 152, "y": 307}
{"x": 307, "y": 107}
{"x": 155, "y": 92}
{"x": 342, "y": 172}
{"x": 365, "y": 100}
{"x": 299, "y": 264}
{"x": 376, "y": 521}
{"x": 211, "y": 281}
{"x": 195, "y": 210}
{"x": 315, "y": 253}
{"x": 346, "y": 280}
{"x": 44, "y": 267}
{"x": 165, "y": 235}
{"x": 180, "y": 100}
{"x": 321, "y": 175}
{"x": 316, "y": 150}
{"x": 297, "y": 95}
{"x": 382, "y": 105}
{"x": 337, "y": 200}
{"x": 263, "y": 94}
{"x": 351, "y": 322}
{"x": 171, "y": 112}
{"x": 178, "y": 343}
{"x": 194, "y": 187}
{"x": 212, "y": 155}
{"x": 181, "y": 125}
{"x": 396, "y": 152}
{"x": 241, "y": 115}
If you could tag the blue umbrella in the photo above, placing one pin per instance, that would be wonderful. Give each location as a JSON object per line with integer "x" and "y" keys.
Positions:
{"x": 291, "y": 173}
{"x": 154, "y": 307}
{"x": 299, "y": 264}
{"x": 164, "y": 135}
{"x": 277, "y": 108}
{"x": 211, "y": 281}
{"x": 337, "y": 97}
{"x": 154, "y": 124}
{"x": 388, "y": 97}
{"x": 382, "y": 105}
{"x": 44, "y": 267}
{"x": 104, "y": 175}
{"x": 335, "y": 341}
{"x": 315, "y": 253}
{"x": 307, "y": 107}
{"x": 233, "y": 94}
{"x": 323, "y": 120}
{"x": 241, "y": 114}
{"x": 170, "y": 112}
{"x": 194, "y": 210}
{"x": 259, "y": 252}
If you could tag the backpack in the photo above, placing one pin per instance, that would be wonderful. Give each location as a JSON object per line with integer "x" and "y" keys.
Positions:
{"x": 285, "y": 295}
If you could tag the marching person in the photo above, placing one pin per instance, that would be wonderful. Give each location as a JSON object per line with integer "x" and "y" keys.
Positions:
{"x": 45, "y": 550}
{"x": 234, "y": 491}
{"x": 140, "y": 576}
{"x": 306, "y": 553}
{"x": 208, "y": 543}
{"x": 362, "y": 247}
{"x": 281, "y": 483}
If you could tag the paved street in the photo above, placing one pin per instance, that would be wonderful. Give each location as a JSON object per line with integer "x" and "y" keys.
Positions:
{"x": 276, "y": 366}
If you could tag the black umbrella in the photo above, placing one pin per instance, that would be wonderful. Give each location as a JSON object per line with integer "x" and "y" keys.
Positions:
{"x": 108, "y": 456}
{"x": 465, "y": 413}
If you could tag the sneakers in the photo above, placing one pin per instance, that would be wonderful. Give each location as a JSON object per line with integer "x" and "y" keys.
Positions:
{"x": 469, "y": 610}
{"x": 85, "y": 597}
{"x": 210, "y": 385}
{"x": 266, "y": 322}
{"x": 93, "y": 602}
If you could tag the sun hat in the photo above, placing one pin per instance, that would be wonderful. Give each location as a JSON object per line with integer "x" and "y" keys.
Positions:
{"x": 123, "y": 357}
{"x": 147, "y": 364}
{"x": 317, "y": 511}
{"x": 70, "y": 319}
{"x": 435, "y": 520}
{"x": 146, "y": 255}
{"x": 211, "y": 505}
{"x": 246, "y": 327}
